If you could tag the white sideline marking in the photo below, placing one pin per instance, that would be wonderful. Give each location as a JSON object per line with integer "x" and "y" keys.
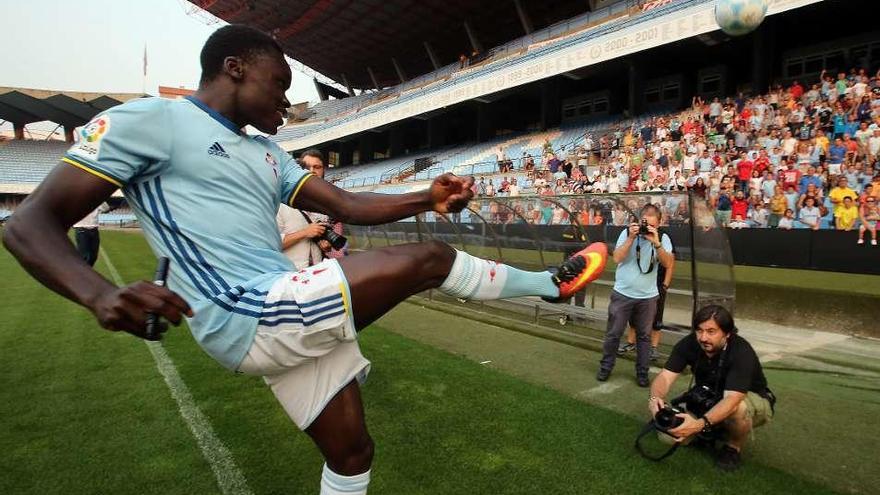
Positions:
{"x": 485, "y": 362}
{"x": 229, "y": 477}
{"x": 605, "y": 388}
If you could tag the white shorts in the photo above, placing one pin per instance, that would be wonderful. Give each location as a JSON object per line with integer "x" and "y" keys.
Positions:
{"x": 307, "y": 352}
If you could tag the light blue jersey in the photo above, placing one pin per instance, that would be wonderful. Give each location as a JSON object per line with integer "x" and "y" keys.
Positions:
{"x": 206, "y": 196}
{"x": 629, "y": 279}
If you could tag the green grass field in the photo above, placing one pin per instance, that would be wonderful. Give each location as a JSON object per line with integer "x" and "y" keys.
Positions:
{"x": 86, "y": 411}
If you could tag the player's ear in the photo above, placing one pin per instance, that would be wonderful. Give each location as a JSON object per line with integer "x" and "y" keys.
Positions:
{"x": 234, "y": 68}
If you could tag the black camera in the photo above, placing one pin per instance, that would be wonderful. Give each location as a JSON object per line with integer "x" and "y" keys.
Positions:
{"x": 666, "y": 418}
{"x": 643, "y": 228}
{"x": 337, "y": 241}
{"x": 700, "y": 400}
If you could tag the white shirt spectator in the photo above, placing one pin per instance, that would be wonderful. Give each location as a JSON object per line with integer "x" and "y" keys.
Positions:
{"x": 760, "y": 217}
{"x": 738, "y": 224}
{"x": 788, "y": 146}
{"x": 613, "y": 185}
{"x": 859, "y": 88}
{"x": 786, "y": 223}
{"x": 874, "y": 144}
{"x": 810, "y": 215}
{"x": 291, "y": 220}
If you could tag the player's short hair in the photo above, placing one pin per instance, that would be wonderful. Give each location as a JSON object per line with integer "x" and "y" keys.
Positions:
{"x": 719, "y": 314}
{"x": 234, "y": 40}
{"x": 314, "y": 153}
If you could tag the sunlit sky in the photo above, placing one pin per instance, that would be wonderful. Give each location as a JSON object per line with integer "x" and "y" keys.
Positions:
{"x": 98, "y": 46}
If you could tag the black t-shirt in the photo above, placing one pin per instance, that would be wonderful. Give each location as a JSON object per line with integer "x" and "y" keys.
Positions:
{"x": 742, "y": 371}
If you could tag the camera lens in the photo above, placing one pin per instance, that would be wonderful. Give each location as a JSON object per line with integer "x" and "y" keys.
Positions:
{"x": 666, "y": 418}
{"x": 337, "y": 241}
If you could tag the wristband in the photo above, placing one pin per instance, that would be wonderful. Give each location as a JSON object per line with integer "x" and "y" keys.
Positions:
{"x": 708, "y": 424}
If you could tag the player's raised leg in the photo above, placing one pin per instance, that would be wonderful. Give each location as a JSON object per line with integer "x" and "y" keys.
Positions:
{"x": 382, "y": 278}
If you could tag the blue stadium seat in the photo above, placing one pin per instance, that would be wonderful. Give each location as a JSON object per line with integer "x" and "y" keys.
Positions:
{"x": 28, "y": 162}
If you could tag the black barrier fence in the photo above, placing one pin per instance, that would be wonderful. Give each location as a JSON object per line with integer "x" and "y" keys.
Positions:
{"x": 536, "y": 233}
{"x": 826, "y": 250}
{"x": 517, "y": 223}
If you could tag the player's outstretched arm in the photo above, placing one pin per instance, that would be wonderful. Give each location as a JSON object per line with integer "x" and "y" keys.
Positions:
{"x": 36, "y": 235}
{"x": 447, "y": 194}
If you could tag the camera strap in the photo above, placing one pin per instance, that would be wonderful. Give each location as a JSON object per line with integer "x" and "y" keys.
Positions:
{"x": 639, "y": 257}
{"x": 323, "y": 255}
{"x": 648, "y": 429}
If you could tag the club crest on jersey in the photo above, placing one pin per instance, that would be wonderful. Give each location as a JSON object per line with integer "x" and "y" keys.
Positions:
{"x": 272, "y": 163}
{"x": 90, "y": 137}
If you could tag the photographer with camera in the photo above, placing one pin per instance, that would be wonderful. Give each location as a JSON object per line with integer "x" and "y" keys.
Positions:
{"x": 307, "y": 238}
{"x": 730, "y": 396}
{"x": 640, "y": 249}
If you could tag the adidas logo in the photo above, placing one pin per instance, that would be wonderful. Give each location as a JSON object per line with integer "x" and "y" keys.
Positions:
{"x": 217, "y": 150}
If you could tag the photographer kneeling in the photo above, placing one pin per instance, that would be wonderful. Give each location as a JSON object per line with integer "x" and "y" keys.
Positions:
{"x": 730, "y": 396}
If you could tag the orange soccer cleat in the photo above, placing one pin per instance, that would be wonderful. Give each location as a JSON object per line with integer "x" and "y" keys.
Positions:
{"x": 582, "y": 268}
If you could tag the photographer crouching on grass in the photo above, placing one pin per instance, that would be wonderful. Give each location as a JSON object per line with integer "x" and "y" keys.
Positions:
{"x": 730, "y": 397}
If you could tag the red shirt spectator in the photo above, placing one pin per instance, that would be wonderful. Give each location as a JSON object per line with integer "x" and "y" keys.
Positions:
{"x": 745, "y": 168}
{"x": 739, "y": 206}
{"x": 790, "y": 178}
{"x": 796, "y": 90}
{"x": 762, "y": 164}
{"x": 852, "y": 146}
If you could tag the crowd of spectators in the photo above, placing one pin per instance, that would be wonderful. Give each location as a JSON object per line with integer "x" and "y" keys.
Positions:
{"x": 796, "y": 157}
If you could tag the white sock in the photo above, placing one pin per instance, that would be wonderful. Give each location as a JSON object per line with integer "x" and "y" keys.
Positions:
{"x": 481, "y": 280}
{"x": 336, "y": 484}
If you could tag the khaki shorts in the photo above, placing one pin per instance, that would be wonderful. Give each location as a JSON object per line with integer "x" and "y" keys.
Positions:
{"x": 305, "y": 347}
{"x": 758, "y": 408}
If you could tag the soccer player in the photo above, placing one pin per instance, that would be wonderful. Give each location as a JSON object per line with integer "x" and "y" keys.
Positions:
{"x": 206, "y": 195}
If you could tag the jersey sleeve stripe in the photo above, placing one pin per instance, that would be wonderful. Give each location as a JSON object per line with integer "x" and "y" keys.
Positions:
{"x": 298, "y": 187}
{"x": 90, "y": 169}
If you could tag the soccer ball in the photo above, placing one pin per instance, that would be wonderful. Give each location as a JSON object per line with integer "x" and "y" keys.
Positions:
{"x": 739, "y": 17}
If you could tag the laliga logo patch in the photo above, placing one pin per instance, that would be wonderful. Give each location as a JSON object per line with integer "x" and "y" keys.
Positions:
{"x": 95, "y": 129}
{"x": 91, "y": 134}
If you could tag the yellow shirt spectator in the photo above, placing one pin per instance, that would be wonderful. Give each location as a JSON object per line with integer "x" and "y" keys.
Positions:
{"x": 846, "y": 216}
{"x": 837, "y": 194}
{"x": 824, "y": 142}
{"x": 778, "y": 204}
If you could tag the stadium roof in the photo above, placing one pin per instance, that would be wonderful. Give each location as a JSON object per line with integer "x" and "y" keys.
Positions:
{"x": 345, "y": 40}
{"x": 68, "y": 108}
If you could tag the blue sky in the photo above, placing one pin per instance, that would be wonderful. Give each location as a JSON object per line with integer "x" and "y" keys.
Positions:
{"x": 98, "y": 45}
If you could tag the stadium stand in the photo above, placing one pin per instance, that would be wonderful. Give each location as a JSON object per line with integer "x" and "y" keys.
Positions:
{"x": 26, "y": 161}
{"x": 553, "y": 38}
{"x": 738, "y": 131}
